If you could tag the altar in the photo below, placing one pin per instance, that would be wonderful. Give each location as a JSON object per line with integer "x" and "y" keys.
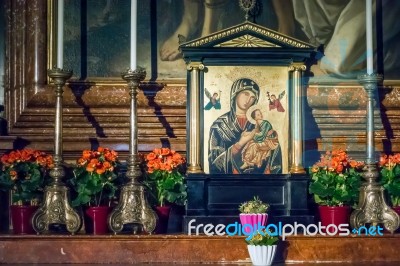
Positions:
{"x": 215, "y": 200}
{"x": 187, "y": 100}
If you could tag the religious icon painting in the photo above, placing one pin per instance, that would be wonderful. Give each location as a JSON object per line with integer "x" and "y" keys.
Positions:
{"x": 246, "y": 122}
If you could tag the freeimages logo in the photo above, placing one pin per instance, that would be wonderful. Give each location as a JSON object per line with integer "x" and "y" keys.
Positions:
{"x": 282, "y": 230}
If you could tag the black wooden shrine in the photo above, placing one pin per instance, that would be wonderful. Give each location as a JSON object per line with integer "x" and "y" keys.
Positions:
{"x": 213, "y": 62}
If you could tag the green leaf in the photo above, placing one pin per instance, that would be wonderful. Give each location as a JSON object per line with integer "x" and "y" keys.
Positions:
{"x": 166, "y": 186}
{"x": 332, "y": 188}
{"x": 321, "y": 190}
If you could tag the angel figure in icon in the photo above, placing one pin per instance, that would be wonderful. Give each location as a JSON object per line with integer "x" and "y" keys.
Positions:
{"x": 214, "y": 100}
{"x": 275, "y": 103}
{"x": 263, "y": 151}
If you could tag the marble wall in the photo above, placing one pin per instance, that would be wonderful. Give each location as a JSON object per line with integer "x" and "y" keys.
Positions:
{"x": 337, "y": 118}
{"x": 97, "y": 112}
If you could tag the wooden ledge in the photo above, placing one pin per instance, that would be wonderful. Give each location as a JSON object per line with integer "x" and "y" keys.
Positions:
{"x": 129, "y": 249}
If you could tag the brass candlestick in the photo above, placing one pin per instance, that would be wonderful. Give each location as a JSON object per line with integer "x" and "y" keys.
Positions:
{"x": 55, "y": 208}
{"x": 372, "y": 207}
{"x": 133, "y": 207}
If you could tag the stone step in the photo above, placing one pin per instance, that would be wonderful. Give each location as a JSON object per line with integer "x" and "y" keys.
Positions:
{"x": 129, "y": 249}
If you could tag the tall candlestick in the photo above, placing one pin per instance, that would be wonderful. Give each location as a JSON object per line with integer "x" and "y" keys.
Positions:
{"x": 133, "y": 34}
{"x": 60, "y": 34}
{"x": 369, "y": 30}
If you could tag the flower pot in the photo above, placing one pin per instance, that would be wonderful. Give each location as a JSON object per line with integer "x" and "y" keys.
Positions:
{"x": 21, "y": 218}
{"x": 163, "y": 217}
{"x": 251, "y": 221}
{"x": 96, "y": 220}
{"x": 261, "y": 255}
{"x": 396, "y": 209}
{"x": 332, "y": 216}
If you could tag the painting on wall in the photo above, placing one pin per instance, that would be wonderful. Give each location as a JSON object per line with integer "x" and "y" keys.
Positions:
{"x": 245, "y": 120}
{"x": 97, "y": 33}
{"x": 96, "y": 38}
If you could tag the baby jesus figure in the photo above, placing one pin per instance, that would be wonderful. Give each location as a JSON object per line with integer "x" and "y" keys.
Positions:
{"x": 263, "y": 144}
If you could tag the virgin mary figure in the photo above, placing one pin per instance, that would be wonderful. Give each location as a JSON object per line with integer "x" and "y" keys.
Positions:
{"x": 230, "y": 132}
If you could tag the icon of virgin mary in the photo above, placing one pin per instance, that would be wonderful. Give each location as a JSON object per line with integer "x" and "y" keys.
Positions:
{"x": 230, "y": 133}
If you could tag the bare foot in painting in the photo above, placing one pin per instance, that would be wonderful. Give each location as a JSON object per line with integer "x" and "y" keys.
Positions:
{"x": 244, "y": 166}
{"x": 169, "y": 49}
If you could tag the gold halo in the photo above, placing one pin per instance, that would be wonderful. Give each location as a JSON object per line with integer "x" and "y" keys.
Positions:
{"x": 250, "y": 110}
{"x": 254, "y": 74}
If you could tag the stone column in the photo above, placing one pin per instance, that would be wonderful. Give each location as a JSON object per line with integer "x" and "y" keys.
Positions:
{"x": 194, "y": 165}
{"x": 296, "y": 118}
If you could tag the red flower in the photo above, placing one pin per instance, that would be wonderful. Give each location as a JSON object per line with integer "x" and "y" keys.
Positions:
{"x": 86, "y": 154}
{"x": 26, "y": 169}
{"x": 164, "y": 177}
{"x": 165, "y": 151}
{"x": 14, "y": 175}
{"x": 94, "y": 177}
{"x": 163, "y": 159}
{"x": 151, "y": 156}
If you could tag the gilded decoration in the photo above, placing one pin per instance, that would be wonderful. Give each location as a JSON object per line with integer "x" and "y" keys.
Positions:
{"x": 242, "y": 28}
{"x": 216, "y": 91}
{"x": 247, "y": 41}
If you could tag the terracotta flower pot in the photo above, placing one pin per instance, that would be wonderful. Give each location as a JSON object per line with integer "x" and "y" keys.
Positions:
{"x": 334, "y": 215}
{"x": 261, "y": 255}
{"x": 96, "y": 220}
{"x": 251, "y": 221}
{"x": 21, "y": 218}
{"x": 163, "y": 218}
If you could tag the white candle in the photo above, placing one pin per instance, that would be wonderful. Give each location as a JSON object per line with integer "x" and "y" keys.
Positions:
{"x": 133, "y": 34}
{"x": 369, "y": 32}
{"x": 60, "y": 34}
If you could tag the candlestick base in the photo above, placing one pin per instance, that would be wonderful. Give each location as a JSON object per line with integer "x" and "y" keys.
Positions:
{"x": 56, "y": 210}
{"x": 132, "y": 209}
{"x": 372, "y": 208}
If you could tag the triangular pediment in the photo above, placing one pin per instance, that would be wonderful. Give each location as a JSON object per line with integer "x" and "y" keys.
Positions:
{"x": 247, "y": 34}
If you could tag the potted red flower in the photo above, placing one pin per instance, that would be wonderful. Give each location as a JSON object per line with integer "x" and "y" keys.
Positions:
{"x": 390, "y": 178}
{"x": 95, "y": 182}
{"x": 335, "y": 185}
{"x": 24, "y": 173}
{"x": 166, "y": 182}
